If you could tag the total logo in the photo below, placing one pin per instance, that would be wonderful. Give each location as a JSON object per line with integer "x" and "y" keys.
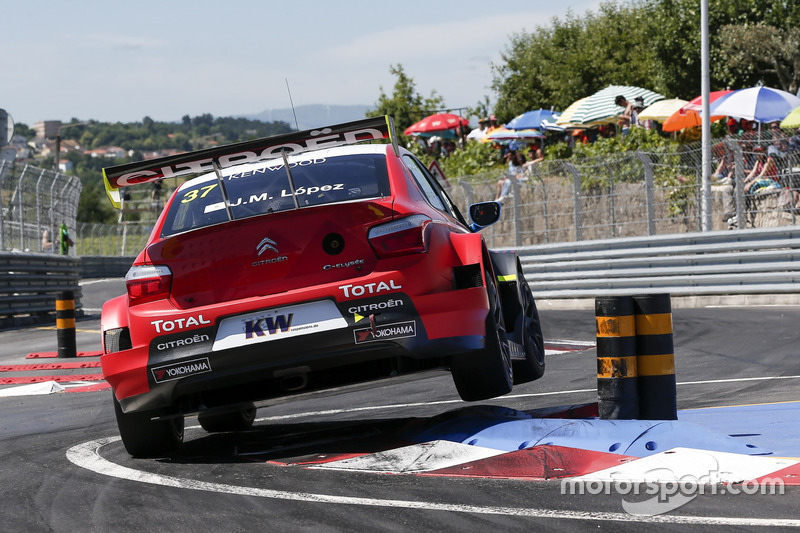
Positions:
{"x": 397, "y": 330}
{"x": 178, "y": 323}
{"x": 369, "y": 288}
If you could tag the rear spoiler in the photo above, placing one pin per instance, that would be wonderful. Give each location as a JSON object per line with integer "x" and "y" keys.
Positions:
{"x": 246, "y": 152}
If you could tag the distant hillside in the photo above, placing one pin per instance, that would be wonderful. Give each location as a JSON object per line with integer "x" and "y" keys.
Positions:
{"x": 313, "y": 115}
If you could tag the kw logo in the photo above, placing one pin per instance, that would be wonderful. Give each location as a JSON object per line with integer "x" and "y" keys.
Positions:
{"x": 267, "y": 244}
{"x": 260, "y": 327}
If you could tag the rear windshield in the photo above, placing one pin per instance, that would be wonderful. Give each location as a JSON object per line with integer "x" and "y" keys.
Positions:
{"x": 256, "y": 191}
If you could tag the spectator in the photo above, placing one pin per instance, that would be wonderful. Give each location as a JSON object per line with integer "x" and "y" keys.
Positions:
{"x": 777, "y": 132}
{"x": 624, "y": 121}
{"x": 493, "y": 125}
{"x": 764, "y": 174}
{"x": 794, "y": 141}
{"x": 761, "y": 178}
{"x": 638, "y": 107}
{"x": 155, "y": 198}
{"x": 535, "y": 155}
{"x": 606, "y": 131}
{"x": 779, "y": 148}
{"x": 480, "y": 132}
{"x": 725, "y": 167}
{"x": 65, "y": 242}
{"x": 516, "y": 166}
{"x": 47, "y": 241}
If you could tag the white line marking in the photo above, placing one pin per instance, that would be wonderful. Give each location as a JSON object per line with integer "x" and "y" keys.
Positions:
{"x": 733, "y": 380}
{"x": 509, "y": 397}
{"x": 87, "y": 455}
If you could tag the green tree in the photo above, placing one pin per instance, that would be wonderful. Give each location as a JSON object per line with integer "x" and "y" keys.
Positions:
{"x": 405, "y": 104}
{"x": 760, "y": 50}
{"x": 94, "y": 207}
{"x": 556, "y": 65}
{"x": 649, "y": 43}
{"x": 675, "y": 39}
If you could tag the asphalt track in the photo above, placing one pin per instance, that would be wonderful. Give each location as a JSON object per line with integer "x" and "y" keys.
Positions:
{"x": 409, "y": 456}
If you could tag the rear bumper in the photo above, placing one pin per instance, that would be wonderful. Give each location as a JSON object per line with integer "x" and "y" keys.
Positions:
{"x": 383, "y": 336}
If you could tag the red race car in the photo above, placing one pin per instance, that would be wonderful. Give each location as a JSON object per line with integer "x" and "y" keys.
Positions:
{"x": 302, "y": 262}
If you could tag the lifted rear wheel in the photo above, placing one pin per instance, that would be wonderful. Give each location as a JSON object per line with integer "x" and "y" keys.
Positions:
{"x": 238, "y": 420}
{"x": 488, "y": 373}
{"x": 145, "y": 437}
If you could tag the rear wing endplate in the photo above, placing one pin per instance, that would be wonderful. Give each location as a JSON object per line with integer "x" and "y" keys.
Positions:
{"x": 246, "y": 152}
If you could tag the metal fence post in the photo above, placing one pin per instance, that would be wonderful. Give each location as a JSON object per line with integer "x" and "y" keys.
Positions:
{"x": 38, "y": 209}
{"x": 535, "y": 172}
{"x": 517, "y": 210}
{"x": 576, "y": 198}
{"x": 649, "y": 196}
{"x": 468, "y": 192}
{"x": 738, "y": 163}
{"x": 20, "y": 208}
{"x": 612, "y": 207}
{"x": 4, "y": 169}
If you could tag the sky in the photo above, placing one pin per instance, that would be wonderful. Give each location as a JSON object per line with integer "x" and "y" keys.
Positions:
{"x": 116, "y": 61}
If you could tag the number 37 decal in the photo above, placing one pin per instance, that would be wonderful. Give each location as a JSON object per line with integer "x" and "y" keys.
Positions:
{"x": 197, "y": 193}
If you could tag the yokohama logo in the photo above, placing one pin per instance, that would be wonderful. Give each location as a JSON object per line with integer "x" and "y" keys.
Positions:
{"x": 180, "y": 370}
{"x": 398, "y": 330}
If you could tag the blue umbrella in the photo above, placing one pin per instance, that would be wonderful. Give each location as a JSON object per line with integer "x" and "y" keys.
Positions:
{"x": 532, "y": 119}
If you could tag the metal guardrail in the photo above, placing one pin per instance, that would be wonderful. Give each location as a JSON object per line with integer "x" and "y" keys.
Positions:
{"x": 756, "y": 261}
{"x": 29, "y": 283}
{"x": 105, "y": 266}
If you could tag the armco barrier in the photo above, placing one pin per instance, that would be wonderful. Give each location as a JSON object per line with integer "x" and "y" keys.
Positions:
{"x": 29, "y": 283}
{"x": 95, "y": 266}
{"x": 757, "y": 261}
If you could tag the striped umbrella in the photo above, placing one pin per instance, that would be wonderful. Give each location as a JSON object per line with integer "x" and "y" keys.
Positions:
{"x": 600, "y": 108}
{"x": 565, "y": 120}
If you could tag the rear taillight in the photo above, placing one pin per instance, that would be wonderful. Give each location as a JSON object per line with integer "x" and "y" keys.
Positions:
{"x": 407, "y": 235}
{"x": 146, "y": 283}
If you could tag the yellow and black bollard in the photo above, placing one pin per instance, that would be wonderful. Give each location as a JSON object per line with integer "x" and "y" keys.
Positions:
{"x": 617, "y": 387}
{"x": 655, "y": 357}
{"x": 65, "y": 324}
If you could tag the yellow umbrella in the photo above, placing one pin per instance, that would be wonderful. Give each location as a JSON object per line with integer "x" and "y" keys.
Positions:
{"x": 792, "y": 120}
{"x": 662, "y": 110}
{"x": 566, "y": 116}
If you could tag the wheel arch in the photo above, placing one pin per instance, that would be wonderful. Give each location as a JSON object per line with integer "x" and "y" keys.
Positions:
{"x": 115, "y": 313}
{"x": 506, "y": 265}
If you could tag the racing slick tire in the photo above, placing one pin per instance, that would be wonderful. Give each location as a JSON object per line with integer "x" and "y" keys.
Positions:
{"x": 488, "y": 373}
{"x": 239, "y": 420}
{"x": 144, "y": 437}
{"x": 529, "y": 330}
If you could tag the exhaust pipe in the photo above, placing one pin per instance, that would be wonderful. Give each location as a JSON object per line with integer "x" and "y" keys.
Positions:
{"x": 292, "y": 379}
